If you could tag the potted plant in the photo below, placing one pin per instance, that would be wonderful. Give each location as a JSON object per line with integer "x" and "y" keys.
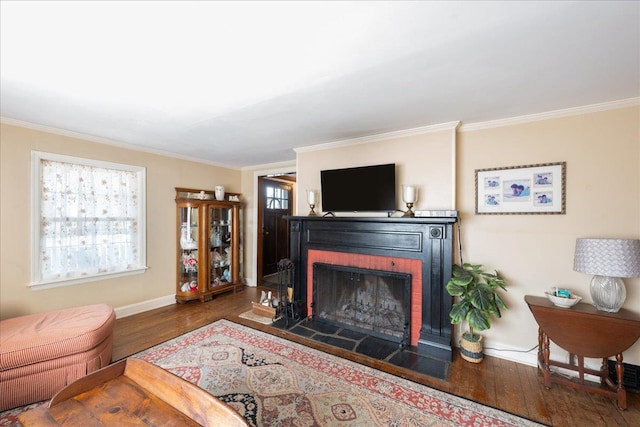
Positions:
{"x": 479, "y": 299}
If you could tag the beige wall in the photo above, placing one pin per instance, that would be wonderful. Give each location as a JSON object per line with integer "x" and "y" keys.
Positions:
{"x": 163, "y": 174}
{"x": 533, "y": 252}
{"x": 425, "y": 160}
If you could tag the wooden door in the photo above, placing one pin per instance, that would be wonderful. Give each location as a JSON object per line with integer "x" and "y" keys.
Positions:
{"x": 278, "y": 202}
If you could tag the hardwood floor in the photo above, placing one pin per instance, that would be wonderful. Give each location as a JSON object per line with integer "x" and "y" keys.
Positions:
{"x": 506, "y": 385}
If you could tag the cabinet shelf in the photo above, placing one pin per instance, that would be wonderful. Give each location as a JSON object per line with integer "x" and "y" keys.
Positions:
{"x": 213, "y": 266}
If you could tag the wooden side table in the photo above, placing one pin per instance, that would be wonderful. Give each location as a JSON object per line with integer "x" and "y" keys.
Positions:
{"x": 584, "y": 332}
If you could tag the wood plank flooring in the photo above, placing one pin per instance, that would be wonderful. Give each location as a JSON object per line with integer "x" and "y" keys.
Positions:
{"x": 506, "y": 385}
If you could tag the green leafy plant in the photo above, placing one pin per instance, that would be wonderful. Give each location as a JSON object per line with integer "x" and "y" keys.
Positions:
{"x": 478, "y": 297}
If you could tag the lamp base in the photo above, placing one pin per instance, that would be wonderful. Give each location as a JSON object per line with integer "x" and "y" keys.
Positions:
{"x": 608, "y": 293}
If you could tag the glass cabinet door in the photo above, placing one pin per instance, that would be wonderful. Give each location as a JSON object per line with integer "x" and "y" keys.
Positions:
{"x": 220, "y": 247}
{"x": 188, "y": 250}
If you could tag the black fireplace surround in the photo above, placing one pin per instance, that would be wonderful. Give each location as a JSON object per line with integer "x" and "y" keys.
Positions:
{"x": 428, "y": 239}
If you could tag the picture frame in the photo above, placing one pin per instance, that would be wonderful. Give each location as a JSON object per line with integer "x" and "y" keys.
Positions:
{"x": 529, "y": 189}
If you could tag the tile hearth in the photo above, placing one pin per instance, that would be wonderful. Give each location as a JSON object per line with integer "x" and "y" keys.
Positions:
{"x": 367, "y": 345}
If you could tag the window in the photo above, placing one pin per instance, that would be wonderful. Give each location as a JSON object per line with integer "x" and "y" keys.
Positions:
{"x": 277, "y": 197}
{"x": 88, "y": 220}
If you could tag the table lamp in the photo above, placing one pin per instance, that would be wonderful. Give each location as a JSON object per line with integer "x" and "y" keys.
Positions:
{"x": 608, "y": 260}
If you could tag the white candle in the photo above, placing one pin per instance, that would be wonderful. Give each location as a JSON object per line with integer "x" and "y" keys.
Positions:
{"x": 409, "y": 194}
{"x": 311, "y": 197}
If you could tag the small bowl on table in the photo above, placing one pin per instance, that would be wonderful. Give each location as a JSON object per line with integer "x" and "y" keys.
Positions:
{"x": 563, "y": 302}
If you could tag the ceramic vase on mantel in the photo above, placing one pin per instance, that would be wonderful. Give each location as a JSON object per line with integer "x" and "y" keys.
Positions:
{"x": 219, "y": 192}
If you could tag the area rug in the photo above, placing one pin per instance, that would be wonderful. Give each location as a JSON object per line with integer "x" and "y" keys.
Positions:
{"x": 275, "y": 382}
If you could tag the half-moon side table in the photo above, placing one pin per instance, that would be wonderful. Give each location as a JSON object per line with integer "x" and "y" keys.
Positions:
{"x": 584, "y": 331}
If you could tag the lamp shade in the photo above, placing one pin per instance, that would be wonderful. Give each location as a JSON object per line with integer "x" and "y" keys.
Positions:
{"x": 608, "y": 257}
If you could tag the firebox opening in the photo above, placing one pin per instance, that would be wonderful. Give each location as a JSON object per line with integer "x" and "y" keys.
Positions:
{"x": 373, "y": 302}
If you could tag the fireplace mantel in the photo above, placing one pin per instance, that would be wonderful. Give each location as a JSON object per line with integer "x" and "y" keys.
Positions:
{"x": 428, "y": 239}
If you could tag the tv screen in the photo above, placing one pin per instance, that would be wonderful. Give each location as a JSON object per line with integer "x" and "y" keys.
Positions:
{"x": 361, "y": 189}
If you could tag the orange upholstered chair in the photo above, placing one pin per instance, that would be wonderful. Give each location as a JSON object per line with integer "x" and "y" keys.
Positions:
{"x": 42, "y": 353}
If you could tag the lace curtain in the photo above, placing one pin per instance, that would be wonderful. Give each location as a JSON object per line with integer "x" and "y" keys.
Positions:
{"x": 88, "y": 220}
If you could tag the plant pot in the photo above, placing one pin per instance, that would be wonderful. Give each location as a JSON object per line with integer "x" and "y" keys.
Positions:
{"x": 471, "y": 351}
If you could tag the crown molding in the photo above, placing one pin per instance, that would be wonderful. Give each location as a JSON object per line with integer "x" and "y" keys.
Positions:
{"x": 105, "y": 141}
{"x": 586, "y": 109}
{"x": 276, "y": 167}
{"x": 379, "y": 137}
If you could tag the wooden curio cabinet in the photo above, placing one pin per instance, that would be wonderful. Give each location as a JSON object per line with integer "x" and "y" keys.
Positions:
{"x": 209, "y": 245}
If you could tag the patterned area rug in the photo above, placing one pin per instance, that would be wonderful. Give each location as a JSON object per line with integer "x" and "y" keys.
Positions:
{"x": 275, "y": 382}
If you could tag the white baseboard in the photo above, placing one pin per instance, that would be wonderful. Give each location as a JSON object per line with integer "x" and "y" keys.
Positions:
{"x": 140, "y": 307}
{"x": 530, "y": 358}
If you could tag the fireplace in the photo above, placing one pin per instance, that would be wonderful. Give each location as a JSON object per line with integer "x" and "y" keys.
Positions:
{"x": 374, "y": 302}
{"x": 418, "y": 247}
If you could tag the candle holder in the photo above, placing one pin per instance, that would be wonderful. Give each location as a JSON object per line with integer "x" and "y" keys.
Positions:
{"x": 409, "y": 213}
{"x": 409, "y": 196}
{"x": 311, "y": 199}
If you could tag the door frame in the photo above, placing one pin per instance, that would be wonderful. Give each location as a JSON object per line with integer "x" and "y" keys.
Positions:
{"x": 257, "y": 216}
{"x": 263, "y": 181}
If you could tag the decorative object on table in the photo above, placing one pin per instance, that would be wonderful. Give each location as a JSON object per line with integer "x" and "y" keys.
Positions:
{"x": 234, "y": 198}
{"x": 608, "y": 260}
{"x": 479, "y": 299}
{"x": 409, "y": 196}
{"x": 532, "y": 189}
{"x": 562, "y": 297}
{"x": 219, "y": 192}
{"x": 311, "y": 200}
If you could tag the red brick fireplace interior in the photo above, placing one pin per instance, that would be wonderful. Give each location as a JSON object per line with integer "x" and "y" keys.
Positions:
{"x": 412, "y": 267}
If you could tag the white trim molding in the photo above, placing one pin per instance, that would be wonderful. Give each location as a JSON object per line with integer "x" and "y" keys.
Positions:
{"x": 105, "y": 141}
{"x": 379, "y": 137}
{"x": 141, "y": 307}
{"x": 586, "y": 109}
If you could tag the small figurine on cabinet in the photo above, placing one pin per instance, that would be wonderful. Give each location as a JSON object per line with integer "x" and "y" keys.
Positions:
{"x": 225, "y": 257}
{"x": 190, "y": 262}
{"x": 216, "y": 257}
{"x": 189, "y": 286}
{"x": 216, "y": 239}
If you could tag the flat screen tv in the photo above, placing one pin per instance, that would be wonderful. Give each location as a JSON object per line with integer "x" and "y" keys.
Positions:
{"x": 360, "y": 189}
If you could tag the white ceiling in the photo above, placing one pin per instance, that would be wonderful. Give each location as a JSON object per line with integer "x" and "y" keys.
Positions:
{"x": 243, "y": 83}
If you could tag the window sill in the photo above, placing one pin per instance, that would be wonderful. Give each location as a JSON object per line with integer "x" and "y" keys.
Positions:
{"x": 50, "y": 284}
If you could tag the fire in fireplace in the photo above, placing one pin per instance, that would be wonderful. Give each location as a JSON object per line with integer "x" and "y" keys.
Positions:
{"x": 374, "y": 302}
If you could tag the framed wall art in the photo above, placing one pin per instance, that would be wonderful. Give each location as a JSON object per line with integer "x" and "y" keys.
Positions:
{"x": 531, "y": 189}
